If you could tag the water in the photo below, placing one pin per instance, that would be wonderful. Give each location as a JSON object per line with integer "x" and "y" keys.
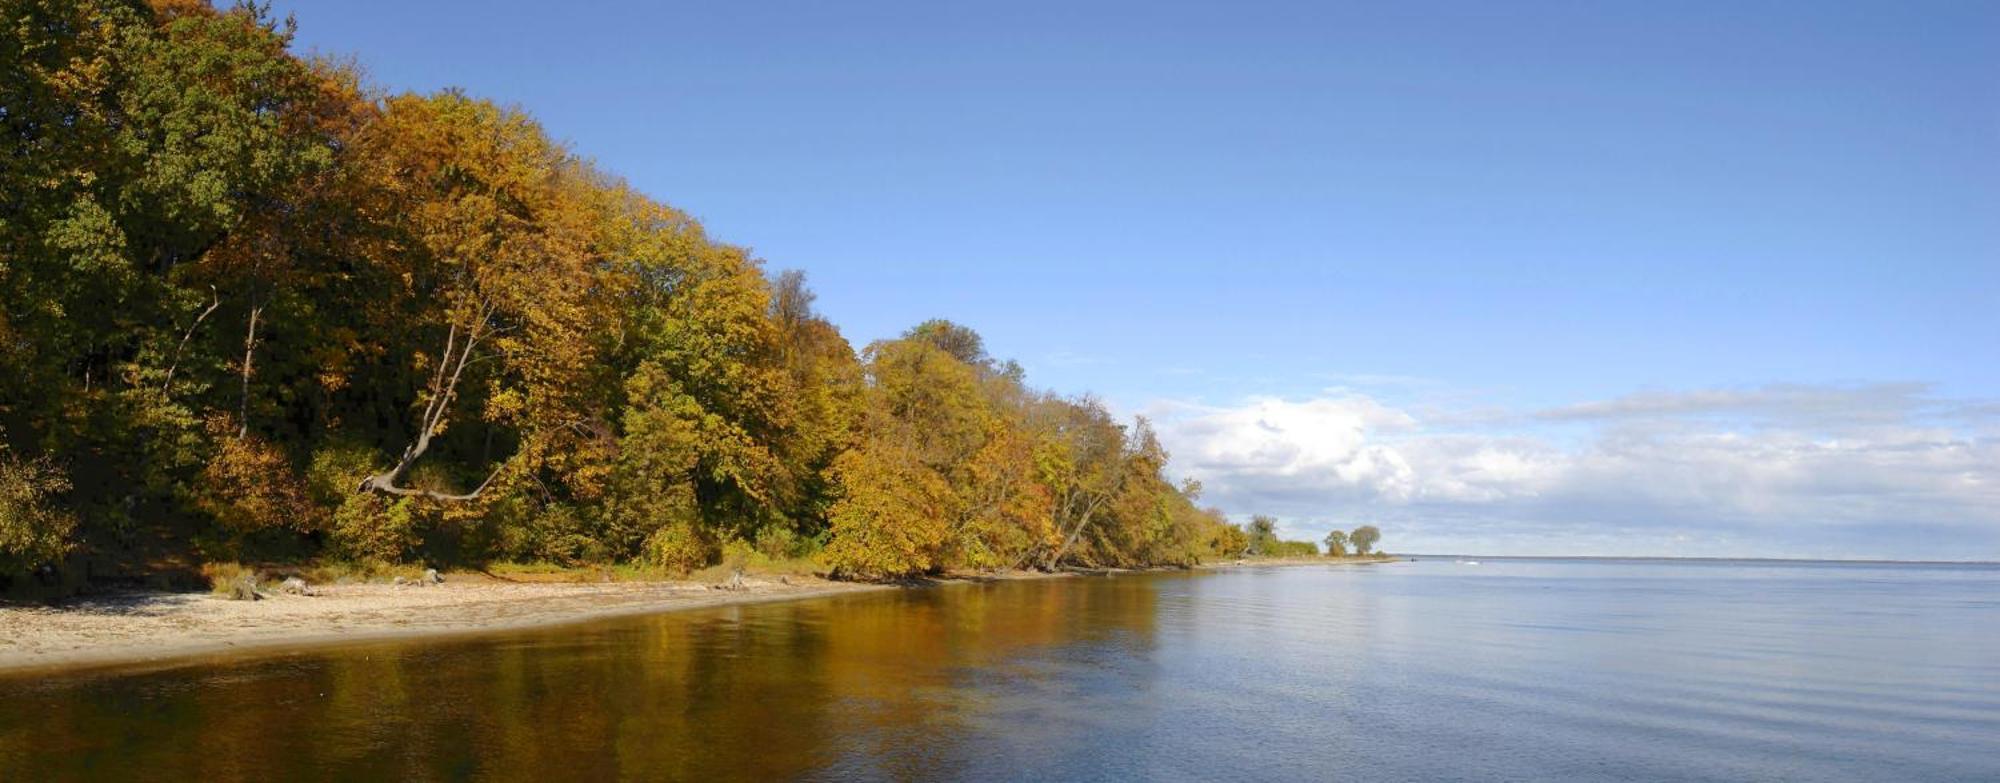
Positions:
{"x": 1507, "y": 670}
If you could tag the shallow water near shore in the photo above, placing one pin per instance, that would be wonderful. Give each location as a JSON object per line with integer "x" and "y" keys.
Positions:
{"x": 1433, "y": 670}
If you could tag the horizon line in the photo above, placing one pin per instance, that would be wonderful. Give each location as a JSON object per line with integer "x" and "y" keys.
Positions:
{"x": 1853, "y": 561}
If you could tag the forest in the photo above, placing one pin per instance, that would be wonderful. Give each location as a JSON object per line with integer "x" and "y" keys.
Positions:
{"x": 253, "y": 308}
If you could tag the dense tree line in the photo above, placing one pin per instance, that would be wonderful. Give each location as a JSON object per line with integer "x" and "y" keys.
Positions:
{"x": 252, "y": 308}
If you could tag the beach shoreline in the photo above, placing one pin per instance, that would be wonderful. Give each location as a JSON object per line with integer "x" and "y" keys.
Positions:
{"x": 142, "y": 629}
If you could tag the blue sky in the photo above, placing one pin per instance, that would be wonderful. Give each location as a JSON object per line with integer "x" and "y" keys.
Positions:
{"x": 1607, "y": 278}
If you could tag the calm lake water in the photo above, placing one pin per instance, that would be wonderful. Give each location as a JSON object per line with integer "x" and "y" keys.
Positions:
{"x": 1434, "y": 670}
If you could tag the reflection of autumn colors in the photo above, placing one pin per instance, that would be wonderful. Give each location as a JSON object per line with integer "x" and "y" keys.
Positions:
{"x": 878, "y": 685}
{"x": 1523, "y": 670}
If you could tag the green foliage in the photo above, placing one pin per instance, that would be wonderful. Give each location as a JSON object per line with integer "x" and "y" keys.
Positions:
{"x": 677, "y": 548}
{"x": 336, "y": 469}
{"x": 777, "y": 542}
{"x": 1364, "y": 538}
{"x": 559, "y": 533}
{"x": 959, "y": 342}
{"x": 1336, "y": 544}
{"x": 1263, "y": 536}
{"x": 373, "y": 528}
{"x": 1260, "y": 539}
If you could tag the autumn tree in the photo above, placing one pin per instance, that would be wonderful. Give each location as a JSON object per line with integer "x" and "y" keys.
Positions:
{"x": 826, "y": 393}
{"x": 494, "y": 258}
{"x": 902, "y": 487}
{"x": 1220, "y": 538}
{"x": 1082, "y": 462}
{"x": 251, "y": 307}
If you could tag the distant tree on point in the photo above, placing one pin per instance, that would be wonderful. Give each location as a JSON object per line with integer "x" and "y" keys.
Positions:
{"x": 1363, "y": 538}
{"x": 1336, "y": 544}
{"x": 1263, "y": 535}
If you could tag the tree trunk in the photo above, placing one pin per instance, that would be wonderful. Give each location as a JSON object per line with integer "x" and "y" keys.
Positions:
{"x": 249, "y": 357}
{"x": 1069, "y": 542}
{"x": 443, "y": 389}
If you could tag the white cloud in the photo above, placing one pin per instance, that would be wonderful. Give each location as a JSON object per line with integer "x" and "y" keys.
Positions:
{"x": 1843, "y": 471}
{"x": 1273, "y": 437}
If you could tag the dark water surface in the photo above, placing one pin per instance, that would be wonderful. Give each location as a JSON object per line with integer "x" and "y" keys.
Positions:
{"x": 1506, "y": 670}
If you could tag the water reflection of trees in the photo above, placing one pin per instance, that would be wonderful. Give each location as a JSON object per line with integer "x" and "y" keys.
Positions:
{"x": 884, "y": 685}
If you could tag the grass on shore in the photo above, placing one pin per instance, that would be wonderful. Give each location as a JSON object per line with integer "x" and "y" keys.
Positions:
{"x": 223, "y": 575}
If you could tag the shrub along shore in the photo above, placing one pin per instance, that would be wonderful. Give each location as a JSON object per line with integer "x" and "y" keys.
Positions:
{"x": 254, "y": 309}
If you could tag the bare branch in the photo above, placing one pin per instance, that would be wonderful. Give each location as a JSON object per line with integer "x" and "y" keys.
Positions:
{"x": 387, "y": 486}
{"x": 443, "y": 389}
{"x": 167, "y": 385}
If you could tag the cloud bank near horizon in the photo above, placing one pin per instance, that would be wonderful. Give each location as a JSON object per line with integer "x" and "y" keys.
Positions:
{"x": 1854, "y": 471}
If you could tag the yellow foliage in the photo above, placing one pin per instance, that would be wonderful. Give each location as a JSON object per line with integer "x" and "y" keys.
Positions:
{"x": 676, "y": 547}
{"x": 371, "y": 528}
{"x": 250, "y": 486}
{"x": 890, "y": 520}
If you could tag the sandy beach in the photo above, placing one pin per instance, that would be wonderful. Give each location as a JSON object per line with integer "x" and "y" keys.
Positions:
{"x": 145, "y": 627}
{"x": 142, "y": 628}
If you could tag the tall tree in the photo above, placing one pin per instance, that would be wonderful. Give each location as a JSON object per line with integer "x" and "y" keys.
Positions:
{"x": 1083, "y": 463}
